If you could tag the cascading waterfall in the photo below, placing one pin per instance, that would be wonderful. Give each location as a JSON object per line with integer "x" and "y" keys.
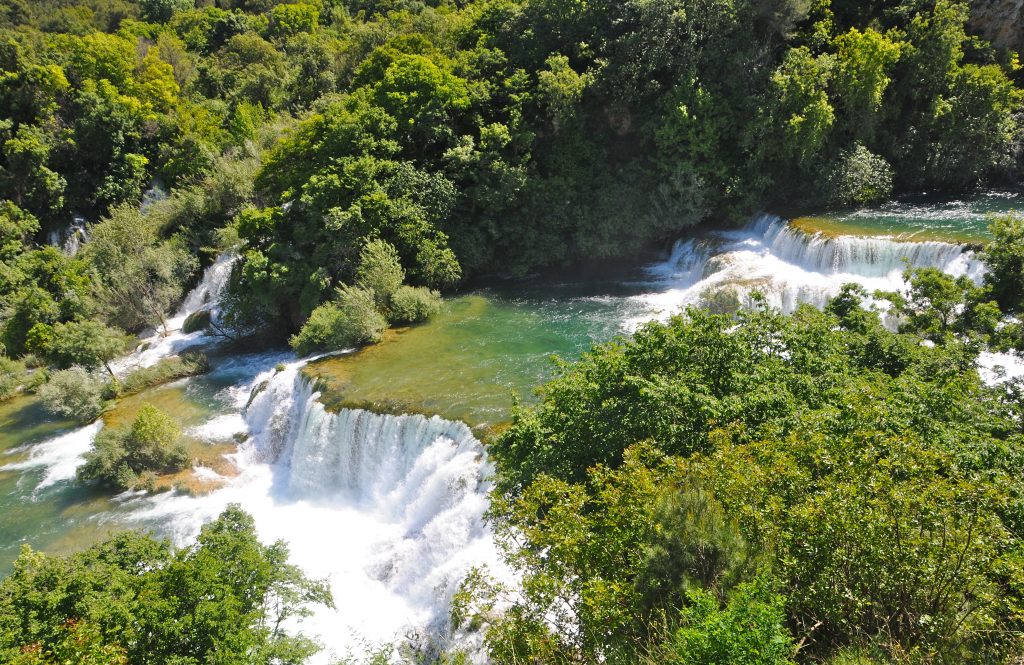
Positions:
{"x": 389, "y": 508}
{"x": 869, "y": 256}
{"x": 789, "y": 266}
{"x": 69, "y": 240}
{"x": 164, "y": 343}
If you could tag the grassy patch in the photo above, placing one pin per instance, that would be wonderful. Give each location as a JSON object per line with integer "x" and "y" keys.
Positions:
{"x": 165, "y": 371}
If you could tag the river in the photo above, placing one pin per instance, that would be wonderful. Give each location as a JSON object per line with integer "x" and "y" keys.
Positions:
{"x": 369, "y": 464}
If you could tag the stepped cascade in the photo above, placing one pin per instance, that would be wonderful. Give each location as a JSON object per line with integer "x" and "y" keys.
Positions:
{"x": 789, "y": 266}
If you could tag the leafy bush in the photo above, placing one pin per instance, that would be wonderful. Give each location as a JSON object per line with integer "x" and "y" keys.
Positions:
{"x": 119, "y": 456}
{"x": 412, "y": 304}
{"x": 750, "y": 629}
{"x": 74, "y": 393}
{"x": 351, "y": 320}
{"x": 168, "y": 369}
{"x": 859, "y": 178}
{"x": 380, "y": 271}
{"x": 12, "y": 377}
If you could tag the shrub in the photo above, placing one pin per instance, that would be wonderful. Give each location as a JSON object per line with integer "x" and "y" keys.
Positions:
{"x": 380, "y": 271}
{"x": 74, "y": 393}
{"x": 859, "y": 178}
{"x": 411, "y": 304}
{"x": 13, "y": 374}
{"x": 350, "y": 320}
{"x": 168, "y": 369}
{"x": 121, "y": 457}
{"x": 749, "y": 629}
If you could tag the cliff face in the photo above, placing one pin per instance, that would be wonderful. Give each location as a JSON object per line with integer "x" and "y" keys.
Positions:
{"x": 999, "y": 21}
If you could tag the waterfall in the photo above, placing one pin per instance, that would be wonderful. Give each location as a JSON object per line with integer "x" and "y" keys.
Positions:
{"x": 388, "y": 508}
{"x": 424, "y": 475}
{"x": 789, "y": 266}
{"x": 210, "y": 287}
{"x": 70, "y": 239}
{"x": 205, "y": 296}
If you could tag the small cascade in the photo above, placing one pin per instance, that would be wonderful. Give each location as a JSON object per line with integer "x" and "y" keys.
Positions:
{"x": 869, "y": 256}
{"x": 789, "y": 266}
{"x": 205, "y": 296}
{"x": 69, "y": 240}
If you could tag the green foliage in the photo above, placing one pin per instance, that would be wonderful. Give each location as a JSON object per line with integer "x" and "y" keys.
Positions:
{"x": 132, "y": 599}
{"x": 74, "y": 393}
{"x": 413, "y": 304}
{"x": 380, "y": 271}
{"x": 350, "y": 320}
{"x": 13, "y": 376}
{"x": 868, "y": 479}
{"x": 165, "y": 371}
{"x": 287, "y": 20}
{"x": 859, "y": 178}
{"x": 864, "y": 61}
{"x": 161, "y": 11}
{"x": 136, "y": 276}
{"x": 120, "y": 456}
{"x": 89, "y": 344}
{"x": 749, "y": 629}
{"x": 1004, "y": 261}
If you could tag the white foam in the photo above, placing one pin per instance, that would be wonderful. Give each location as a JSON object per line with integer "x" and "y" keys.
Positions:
{"x": 220, "y": 428}
{"x": 788, "y": 267}
{"x": 60, "y": 456}
{"x": 388, "y": 508}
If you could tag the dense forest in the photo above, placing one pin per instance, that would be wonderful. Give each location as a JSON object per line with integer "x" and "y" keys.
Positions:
{"x": 730, "y": 487}
{"x": 471, "y": 138}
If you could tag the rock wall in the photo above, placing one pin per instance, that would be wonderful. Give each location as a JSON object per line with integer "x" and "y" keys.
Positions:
{"x": 999, "y": 21}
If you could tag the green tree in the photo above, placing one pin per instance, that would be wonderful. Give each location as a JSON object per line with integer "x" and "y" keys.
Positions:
{"x": 1004, "y": 260}
{"x": 137, "y": 278}
{"x": 74, "y": 393}
{"x": 380, "y": 271}
{"x": 120, "y": 456}
{"x": 222, "y": 599}
{"x": 89, "y": 344}
{"x": 25, "y": 176}
{"x": 161, "y": 11}
{"x": 864, "y": 61}
{"x": 292, "y": 19}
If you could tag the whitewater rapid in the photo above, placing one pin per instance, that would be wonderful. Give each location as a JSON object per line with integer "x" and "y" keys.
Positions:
{"x": 388, "y": 508}
{"x": 788, "y": 267}
{"x": 164, "y": 343}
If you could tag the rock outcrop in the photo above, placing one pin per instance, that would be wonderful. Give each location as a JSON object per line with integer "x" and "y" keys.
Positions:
{"x": 999, "y": 21}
